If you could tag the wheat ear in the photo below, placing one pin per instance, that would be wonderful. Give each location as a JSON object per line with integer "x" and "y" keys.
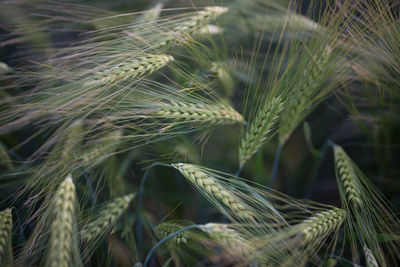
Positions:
{"x": 73, "y": 140}
{"x": 370, "y": 260}
{"x": 106, "y": 219}
{"x": 322, "y": 224}
{"x": 99, "y": 151}
{"x": 260, "y": 129}
{"x": 228, "y": 238}
{"x": 192, "y": 25}
{"x": 213, "y": 189}
{"x": 347, "y": 176}
{"x": 5, "y": 237}
{"x": 131, "y": 68}
{"x": 304, "y": 92}
{"x": 165, "y": 229}
{"x": 61, "y": 240}
{"x": 204, "y": 113}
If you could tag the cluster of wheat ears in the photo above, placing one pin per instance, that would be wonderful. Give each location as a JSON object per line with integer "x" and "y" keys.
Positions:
{"x": 143, "y": 88}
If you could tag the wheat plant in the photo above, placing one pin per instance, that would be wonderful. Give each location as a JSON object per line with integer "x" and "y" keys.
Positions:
{"x": 194, "y": 107}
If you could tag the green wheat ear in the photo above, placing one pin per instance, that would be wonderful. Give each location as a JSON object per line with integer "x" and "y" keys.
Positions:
{"x": 212, "y": 189}
{"x": 305, "y": 91}
{"x": 347, "y": 175}
{"x": 203, "y": 113}
{"x": 229, "y": 238}
{"x": 322, "y": 224}
{"x": 93, "y": 231}
{"x": 73, "y": 141}
{"x": 369, "y": 213}
{"x": 192, "y": 25}
{"x": 260, "y": 129}
{"x": 61, "y": 243}
{"x": 6, "y": 238}
{"x": 164, "y": 229}
{"x": 131, "y": 68}
{"x": 369, "y": 258}
{"x": 101, "y": 149}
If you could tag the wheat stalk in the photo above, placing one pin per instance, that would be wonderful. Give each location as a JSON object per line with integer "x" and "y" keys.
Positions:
{"x": 213, "y": 189}
{"x": 106, "y": 219}
{"x": 369, "y": 258}
{"x": 199, "y": 112}
{"x": 131, "y": 68}
{"x": 260, "y": 129}
{"x": 322, "y": 224}
{"x": 165, "y": 229}
{"x": 5, "y": 236}
{"x": 347, "y": 176}
{"x": 61, "y": 240}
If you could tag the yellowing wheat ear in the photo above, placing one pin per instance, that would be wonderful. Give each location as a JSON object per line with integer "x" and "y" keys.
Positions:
{"x": 62, "y": 228}
{"x": 5, "y": 237}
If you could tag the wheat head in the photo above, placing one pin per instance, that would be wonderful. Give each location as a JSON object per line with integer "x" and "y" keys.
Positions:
{"x": 60, "y": 244}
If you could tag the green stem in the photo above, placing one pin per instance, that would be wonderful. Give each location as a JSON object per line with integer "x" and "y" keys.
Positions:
{"x": 275, "y": 165}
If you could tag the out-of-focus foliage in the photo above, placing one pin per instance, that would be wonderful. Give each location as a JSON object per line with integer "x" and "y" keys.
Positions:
{"x": 125, "y": 125}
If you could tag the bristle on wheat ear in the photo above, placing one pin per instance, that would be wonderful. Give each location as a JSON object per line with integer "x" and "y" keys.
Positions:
{"x": 347, "y": 175}
{"x": 213, "y": 189}
{"x": 61, "y": 240}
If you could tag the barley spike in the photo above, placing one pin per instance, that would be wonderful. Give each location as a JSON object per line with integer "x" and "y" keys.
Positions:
{"x": 260, "y": 129}
{"x": 165, "y": 229}
{"x": 60, "y": 249}
{"x": 347, "y": 175}
{"x": 205, "y": 113}
{"x": 5, "y": 234}
{"x": 106, "y": 219}
{"x": 322, "y": 223}
{"x": 214, "y": 189}
{"x": 131, "y": 68}
{"x": 369, "y": 258}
